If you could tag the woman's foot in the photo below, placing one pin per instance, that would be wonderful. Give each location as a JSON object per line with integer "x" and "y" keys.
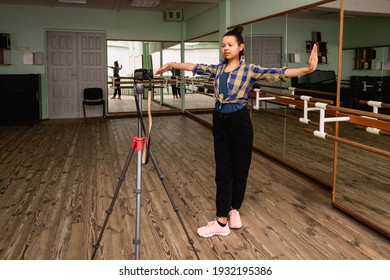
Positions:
{"x": 234, "y": 219}
{"x": 113, "y": 97}
{"x": 214, "y": 228}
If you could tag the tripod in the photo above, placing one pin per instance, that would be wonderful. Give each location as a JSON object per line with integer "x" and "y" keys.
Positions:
{"x": 137, "y": 145}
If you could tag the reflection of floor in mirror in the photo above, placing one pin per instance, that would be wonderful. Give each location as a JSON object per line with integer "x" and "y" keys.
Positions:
{"x": 192, "y": 100}
{"x": 127, "y": 102}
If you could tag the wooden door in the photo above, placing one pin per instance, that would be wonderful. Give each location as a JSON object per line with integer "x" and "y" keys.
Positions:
{"x": 76, "y": 60}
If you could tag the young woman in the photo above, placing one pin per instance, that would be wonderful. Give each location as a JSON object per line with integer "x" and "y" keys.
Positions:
{"x": 117, "y": 79}
{"x": 232, "y": 127}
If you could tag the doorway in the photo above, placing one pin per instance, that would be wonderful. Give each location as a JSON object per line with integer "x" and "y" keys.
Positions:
{"x": 76, "y": 60}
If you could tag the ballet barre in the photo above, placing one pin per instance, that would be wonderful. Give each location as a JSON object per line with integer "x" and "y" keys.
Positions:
{"x": 352, "y": 143}
{"x": 323, "y": 119}
{"x": 375, "y": 105}
{"x": 369, "y": 119}
{"x": 309, "y": 91}
{"x": 375, "y": 109}
{"x": 258, "y": 98}
{"x": 288, "y": 99}
{"x": 373, "y": 130}
{"x": 341, "y": 115}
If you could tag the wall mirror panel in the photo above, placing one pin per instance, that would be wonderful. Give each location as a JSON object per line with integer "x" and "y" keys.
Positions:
{"x": 194, "y": 93}
{"x": 264, "y": 42}
{"x": 132, "y": 55}
{"x": 278, "y": 131}
{"x": 171, "y": 91}
{"x": 363, "y": 178}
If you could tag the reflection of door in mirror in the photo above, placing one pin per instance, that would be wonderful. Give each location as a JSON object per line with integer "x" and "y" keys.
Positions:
{"x": 265, "y": 51}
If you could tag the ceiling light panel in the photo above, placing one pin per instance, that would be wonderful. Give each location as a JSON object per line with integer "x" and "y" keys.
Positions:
{"x": 145, "y": 3}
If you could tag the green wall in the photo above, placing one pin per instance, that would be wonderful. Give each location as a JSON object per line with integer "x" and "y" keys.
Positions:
{"x": 242, "y": 11}
{"x": 28, "y": 25}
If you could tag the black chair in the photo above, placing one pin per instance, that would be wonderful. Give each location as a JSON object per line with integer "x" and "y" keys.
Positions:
{"x": 93, "y": 97}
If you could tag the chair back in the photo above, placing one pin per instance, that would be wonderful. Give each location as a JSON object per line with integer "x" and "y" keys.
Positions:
{"x": 93, "y": 94}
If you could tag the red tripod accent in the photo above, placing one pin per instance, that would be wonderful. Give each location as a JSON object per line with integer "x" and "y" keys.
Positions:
{"x": 138, "y": 143}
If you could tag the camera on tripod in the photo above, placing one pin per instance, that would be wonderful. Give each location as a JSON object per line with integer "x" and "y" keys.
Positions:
{"x": 143, "y": 74}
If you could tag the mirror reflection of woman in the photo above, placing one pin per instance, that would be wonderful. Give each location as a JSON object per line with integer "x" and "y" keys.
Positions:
{"x": 232, "y": 126}
{"x": 117, "y": 79}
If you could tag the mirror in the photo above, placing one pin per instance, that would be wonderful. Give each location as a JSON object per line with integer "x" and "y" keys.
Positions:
{"x": 264, "y": 43}
{"x": 150, "y": 55}
{"x": 363, "y": 178}
{"x": 278, "y": 132}
{"x": 132, "y": 55}
{"x": 191, "y": 91}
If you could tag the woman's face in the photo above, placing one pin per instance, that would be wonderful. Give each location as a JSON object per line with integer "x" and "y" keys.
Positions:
{"x": 230, "y": 47}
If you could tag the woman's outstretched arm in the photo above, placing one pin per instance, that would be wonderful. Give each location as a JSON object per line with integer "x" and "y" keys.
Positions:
{"x": 311, "y": 66}
{"x": 181, "y": 66}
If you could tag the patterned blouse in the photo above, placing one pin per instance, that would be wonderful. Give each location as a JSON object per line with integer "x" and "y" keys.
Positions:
{"x": 240, "y": 80}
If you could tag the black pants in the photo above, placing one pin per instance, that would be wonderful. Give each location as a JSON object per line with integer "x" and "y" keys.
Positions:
{"x": 117, "y": 87}
{"x": 233, "y": 141}
{"x": 176, "y": 90}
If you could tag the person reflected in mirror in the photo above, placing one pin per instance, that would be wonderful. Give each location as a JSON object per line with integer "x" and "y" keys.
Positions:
{"x": 117, "y": 87}
{"x": 176, "y": 86}
{"x": 232, "y": 126}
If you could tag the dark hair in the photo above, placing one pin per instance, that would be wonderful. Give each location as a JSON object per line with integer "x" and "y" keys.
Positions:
{"x": 237, "y": 33}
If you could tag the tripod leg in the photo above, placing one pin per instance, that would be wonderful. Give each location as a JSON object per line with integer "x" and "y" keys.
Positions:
{"x": 121, "y": 178}
{"x": 137, "y": 239}
{"x": 175, "y": 208}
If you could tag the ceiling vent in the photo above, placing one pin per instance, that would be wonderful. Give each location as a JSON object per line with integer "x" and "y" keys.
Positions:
{"x": 173, "y": 15}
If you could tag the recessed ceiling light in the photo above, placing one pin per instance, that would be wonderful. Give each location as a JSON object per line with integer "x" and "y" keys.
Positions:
{"x": 145, "y": 3}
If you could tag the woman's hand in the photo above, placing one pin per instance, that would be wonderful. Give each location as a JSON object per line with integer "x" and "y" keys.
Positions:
{"x": 180, "y": 66}
{"x": 313, "y": 59}
{"x": 163, "y": 69}
{"x": 311, "y": 65}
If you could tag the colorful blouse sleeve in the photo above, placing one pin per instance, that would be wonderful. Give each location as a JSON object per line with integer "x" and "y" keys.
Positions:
{"x": 204, "y": 69}
{"x": 268, "y": 74}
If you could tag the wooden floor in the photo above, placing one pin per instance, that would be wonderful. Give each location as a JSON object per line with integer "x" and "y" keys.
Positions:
{"x": 58, "y": 177}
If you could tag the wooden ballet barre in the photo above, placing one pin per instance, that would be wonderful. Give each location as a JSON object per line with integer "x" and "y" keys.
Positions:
{"x": 272, "y": 111}
{"x": 305, "y": 100}
{"x": 375, "y": 108}
{"x": 373, "y": 130}
{"x": 282, "y": 98}
{"x": 316, "y": 92}
{"x": 301, "y": 90}
{"x": 273, "y": 86}
{"x": 278, "y": 100}
{"x": 367, "y": 121}
{"x": 352, "y": 143}
{"x": 340, "y": 116}
{"x": 322, "y": 107}
{"x": 312, "y": 99}
{"x": 375, "y": 104}
{"x": 358, "y": 112}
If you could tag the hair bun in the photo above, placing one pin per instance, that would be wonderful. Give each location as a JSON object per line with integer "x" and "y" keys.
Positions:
{"x": 238, "y": 29}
